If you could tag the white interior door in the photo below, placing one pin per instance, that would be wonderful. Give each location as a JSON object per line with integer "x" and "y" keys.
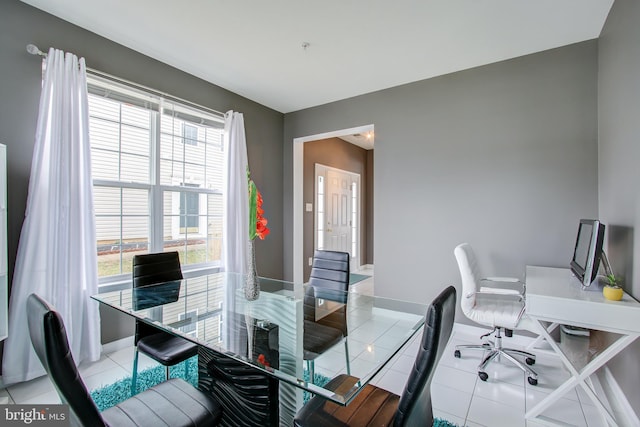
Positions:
{"x": 337, "y": 211}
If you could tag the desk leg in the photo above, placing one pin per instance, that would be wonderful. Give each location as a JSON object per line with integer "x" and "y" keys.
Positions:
{"x": 248, "y": 396}
{"x": 579, "y": 378}
{"x": 531, "y": 347}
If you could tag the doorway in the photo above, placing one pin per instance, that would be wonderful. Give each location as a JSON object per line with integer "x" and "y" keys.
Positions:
{"x": 337, "y": 216}
{"x": 298, "y": 257}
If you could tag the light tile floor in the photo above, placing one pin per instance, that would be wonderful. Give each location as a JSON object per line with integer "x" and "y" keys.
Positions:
{"x": 458, "y": 395}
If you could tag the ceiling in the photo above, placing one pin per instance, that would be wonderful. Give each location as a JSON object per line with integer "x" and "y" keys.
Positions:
{"x": 255, "y": 48}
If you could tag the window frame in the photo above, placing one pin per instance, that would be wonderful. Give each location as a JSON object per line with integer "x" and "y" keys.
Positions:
{"x": 155, "y": 188}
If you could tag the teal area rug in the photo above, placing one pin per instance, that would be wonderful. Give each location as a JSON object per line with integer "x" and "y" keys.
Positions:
{"x": 355, "y": 278}
{"x": 112, "y": 394}
{"x": 439, "y": 422}
{"x": 318, "y": 380}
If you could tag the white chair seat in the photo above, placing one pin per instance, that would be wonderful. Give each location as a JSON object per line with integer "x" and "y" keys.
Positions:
{"x": 491, "y": 310}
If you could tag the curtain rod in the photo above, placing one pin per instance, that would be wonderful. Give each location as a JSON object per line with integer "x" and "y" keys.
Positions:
{"x": 34, "y": 50}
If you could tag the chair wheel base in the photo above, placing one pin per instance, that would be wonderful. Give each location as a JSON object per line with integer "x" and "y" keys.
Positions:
{"x": 457, "y": 354}
{"x": 530, "y": 361}
{"x": 532, "y": 381}
{"x": 484, "y": 376}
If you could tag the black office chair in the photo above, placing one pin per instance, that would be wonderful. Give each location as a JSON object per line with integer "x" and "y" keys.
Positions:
{"x": 374, "y": 406}
{"x": 161, "y": 346}
{"x": 329, "y": 280}
{"x": 173, "y": 403}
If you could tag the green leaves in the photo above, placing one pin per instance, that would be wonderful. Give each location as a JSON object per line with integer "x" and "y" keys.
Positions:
{"x": 253, "y": 203}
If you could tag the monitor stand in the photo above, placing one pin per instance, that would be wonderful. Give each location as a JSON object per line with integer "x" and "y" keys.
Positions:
{"x": 598, "y": 283}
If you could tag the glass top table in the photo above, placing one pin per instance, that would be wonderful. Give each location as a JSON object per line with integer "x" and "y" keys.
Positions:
{"x": 268, "y": 333}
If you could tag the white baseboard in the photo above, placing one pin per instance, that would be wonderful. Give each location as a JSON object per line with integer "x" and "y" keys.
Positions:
{"x": 603, "y": 379}
{"x": 112, "y": 346}
{"x": 366, "y": 267}
{"x": 620, "y": 405}
{"x": 109, "y": 347}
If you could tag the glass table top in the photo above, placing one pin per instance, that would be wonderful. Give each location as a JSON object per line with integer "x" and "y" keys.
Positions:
{"x": 268, "y": 333}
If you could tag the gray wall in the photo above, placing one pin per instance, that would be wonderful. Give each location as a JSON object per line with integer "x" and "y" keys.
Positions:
{"x": 20, "y": 82}
{"x": 339, "y": 154}
{"x": 619, "y": 145}
{"x": 502, "y": 156}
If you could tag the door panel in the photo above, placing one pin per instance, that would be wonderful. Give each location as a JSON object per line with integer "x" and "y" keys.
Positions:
{"x": 337, "y": 230}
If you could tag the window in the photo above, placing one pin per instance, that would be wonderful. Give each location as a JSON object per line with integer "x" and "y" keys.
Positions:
{"x": 191, "y": 320}
{"x": 157, "y": 175}
{"x": 189, "y": 211}
{"x": 190, "y": 134}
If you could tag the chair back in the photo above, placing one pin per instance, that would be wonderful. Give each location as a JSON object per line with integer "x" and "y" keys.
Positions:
{"x": 149, "y": 269}
{"x": 330, "y": 275}
{"x": 156, "y": 268}
{"x": 49, "y": 340}
{"x": 414, "y": 408}
{"x": 470, "y": 275}
{"x": 329, "y": 280}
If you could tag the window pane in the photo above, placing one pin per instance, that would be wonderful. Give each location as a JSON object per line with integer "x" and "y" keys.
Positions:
{"x": 104, "y": 108}
{"x": 190, "y": 153}
{"x": 136, "y": 116}
{"x": 135, "y": 140}
{"x": 192, "y": 225}
{"x": 190, "y": 135}
{"x": 124, "y": 124}
{"x": 122, "y": 224}
{"x": 134, "y": 168}
{"x": 104, "y": 134}
{"x": 214, "y": 227}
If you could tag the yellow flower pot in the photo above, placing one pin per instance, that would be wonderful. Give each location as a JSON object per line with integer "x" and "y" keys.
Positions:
{"x": 612, "y": 293}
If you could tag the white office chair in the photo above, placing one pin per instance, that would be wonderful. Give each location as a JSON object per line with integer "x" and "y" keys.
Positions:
{"x": 497, "y": 305}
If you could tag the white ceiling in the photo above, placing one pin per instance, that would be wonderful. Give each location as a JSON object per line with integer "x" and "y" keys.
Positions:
{"x": 254, "y": 48}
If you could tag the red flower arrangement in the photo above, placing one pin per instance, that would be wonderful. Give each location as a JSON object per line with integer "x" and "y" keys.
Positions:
{"x": 263, "y": 360}
{"x": 257, "y": 221}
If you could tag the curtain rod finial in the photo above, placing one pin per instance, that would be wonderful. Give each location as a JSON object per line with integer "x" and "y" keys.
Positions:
{"x": 33, "y": 50}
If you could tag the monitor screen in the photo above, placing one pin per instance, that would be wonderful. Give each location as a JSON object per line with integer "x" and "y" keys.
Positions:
{"x": 588, "y": 250}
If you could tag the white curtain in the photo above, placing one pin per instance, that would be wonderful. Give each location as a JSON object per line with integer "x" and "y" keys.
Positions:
{"x": 57, "y": 250}
{"x": 235, "y": 233}
{"x": 235, "y": 236}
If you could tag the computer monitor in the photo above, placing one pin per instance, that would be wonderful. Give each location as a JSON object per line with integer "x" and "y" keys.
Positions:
{"x": 588, "y": 250}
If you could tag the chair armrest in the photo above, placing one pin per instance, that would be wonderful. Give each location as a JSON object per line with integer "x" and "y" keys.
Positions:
{"x": 499, "y": 291}
{"x": 502, "y": 279}
{"x": 503, "y": 286}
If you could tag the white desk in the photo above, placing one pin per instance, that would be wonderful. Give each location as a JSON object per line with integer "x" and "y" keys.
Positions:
{"x": 554, "y": 295}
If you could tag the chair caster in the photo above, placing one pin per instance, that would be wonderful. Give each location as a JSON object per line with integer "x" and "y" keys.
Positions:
{"x": 484, "y": 376}
{"x": 532, "y": 381}
{"x": 457, "y": 354}
{"x": 530, "y": 361}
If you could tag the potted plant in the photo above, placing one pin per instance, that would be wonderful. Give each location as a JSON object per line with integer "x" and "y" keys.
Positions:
{"x": 612, "y": 289}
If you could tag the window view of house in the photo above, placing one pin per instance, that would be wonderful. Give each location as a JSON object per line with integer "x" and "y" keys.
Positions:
{"x": 157, "y": 169}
